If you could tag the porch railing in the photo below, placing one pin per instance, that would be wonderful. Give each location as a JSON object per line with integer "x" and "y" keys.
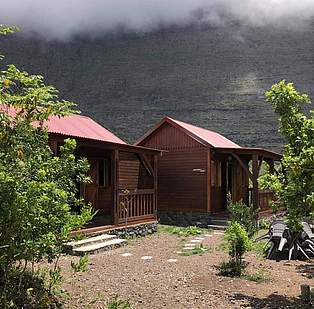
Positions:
{"x": 136, "y": 205}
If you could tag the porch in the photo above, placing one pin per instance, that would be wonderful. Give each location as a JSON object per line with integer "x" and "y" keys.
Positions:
{"x": 236, "y": 171}
{"x": 123, "y": 187}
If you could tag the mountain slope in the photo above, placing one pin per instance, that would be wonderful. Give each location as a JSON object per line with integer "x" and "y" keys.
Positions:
{"x": 213, "y": 77}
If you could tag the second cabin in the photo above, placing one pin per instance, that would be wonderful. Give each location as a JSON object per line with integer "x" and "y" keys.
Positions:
{"x": 199, "y": 168}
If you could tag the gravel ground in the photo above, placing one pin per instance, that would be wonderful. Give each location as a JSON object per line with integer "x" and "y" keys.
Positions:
{"x": 188, "y": 282}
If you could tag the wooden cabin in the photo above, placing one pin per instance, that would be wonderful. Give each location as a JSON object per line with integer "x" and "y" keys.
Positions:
{"x": 198, "y": 169}
{"x": 124, "y": 177}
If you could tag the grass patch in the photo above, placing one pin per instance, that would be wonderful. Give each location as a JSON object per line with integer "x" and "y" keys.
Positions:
{"x": 118, "y": 303}
{"x": 195, "y": 251}
{"x": 182, "y": 231}
{"x": 259, "y": 248}
{"x": 261, "y": 275}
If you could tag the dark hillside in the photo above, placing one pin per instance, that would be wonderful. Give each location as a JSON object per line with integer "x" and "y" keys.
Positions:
{"x": 212, "y": 77}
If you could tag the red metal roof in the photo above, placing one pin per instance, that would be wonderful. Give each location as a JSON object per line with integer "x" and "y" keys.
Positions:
{"x": 75, "y": 126}
{"x": 212, "y": 138}
{"x": 203, "y": 136}
{"x": 81, "y": 126}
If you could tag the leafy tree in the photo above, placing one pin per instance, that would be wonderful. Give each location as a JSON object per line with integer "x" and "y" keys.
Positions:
{"x": 37, "y": 189}
{"x": 294, "y": 184}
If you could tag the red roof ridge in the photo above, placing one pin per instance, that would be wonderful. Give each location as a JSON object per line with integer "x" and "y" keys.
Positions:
{"x": 204, "y": 136}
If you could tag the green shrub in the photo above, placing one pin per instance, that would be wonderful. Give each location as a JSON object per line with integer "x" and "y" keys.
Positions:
{"x": 263, "y": 224}
{"x": 33, "y": 291}
{"x": 230, "y": 268}
{"x": 244, "y": 215}
{"x": 238, "y": 243}
{"x": 81, "y": 265}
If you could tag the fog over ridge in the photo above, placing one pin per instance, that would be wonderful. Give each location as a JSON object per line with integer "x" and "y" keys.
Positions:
{"x": 64, "y": 18}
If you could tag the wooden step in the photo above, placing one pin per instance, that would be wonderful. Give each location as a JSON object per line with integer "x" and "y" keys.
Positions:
{"x": 99, "y": 247}
{"x": 69, "y": 246}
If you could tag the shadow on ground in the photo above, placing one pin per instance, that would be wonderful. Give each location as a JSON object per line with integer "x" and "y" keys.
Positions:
{"x": 306, "y": 270}
{"x": 272, "y": 301}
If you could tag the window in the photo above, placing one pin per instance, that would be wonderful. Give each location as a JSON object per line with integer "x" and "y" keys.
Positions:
{"x": 104, "y": 173}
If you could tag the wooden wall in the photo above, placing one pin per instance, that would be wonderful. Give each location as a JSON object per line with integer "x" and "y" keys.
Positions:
{"x": 167, "y": 137}
{"x": 179, "y": 187}
{"x": 132, "y": 174}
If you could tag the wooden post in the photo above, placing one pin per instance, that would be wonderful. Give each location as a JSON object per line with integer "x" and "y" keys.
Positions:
{"x": 208, "y": 181}
{"x": 306, "y": 293}
{"x": 254, "y": 180}
{"x": 271, "y": 166}
{"x": 115, "y": 174}
{"x": 155, "y": 185}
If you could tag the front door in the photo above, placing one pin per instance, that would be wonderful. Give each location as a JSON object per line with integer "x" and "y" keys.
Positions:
{"x": 99, "y": 192}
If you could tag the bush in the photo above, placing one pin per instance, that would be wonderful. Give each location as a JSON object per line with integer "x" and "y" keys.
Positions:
{"x": 244, "y": 215}
{"x": 230, "y": 269}
{"x": 238, "y": 243}
{"x": 33, "y": 291}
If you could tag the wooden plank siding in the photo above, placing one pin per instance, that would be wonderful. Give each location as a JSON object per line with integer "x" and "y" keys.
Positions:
{"x": 179, "y": 187}
{"x": 168, "y": 137}
{"x": 132, "y": 174}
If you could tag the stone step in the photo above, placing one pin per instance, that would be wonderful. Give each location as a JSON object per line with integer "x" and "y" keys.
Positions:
{"x": 217, "y": 227}
{"x": 99, "y": 247}
{"x": 221, "y": 222}
{"x": 69, "y": 246}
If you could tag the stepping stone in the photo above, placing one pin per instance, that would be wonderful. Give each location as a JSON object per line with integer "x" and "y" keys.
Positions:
{"x": 172, "y": 260}
{"x": 178, "y": 252}
{"x": 127, "y": 254}
{"x": 196, "y": 240}
{"x": 188, "y": 248}
{"x": 218, "y": 233}
{"x": 146, "y": 257}
{"x": 208, "y": 235}
{"x": 199, "y": 238}
{"x": 189, "y": 245}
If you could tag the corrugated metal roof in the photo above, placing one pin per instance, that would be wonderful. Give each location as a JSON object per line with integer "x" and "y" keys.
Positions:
{"x": 212, "y": 138}
{"x": 81, "y": 126}
{"x": 75, "y": 126}
{"x": 203, "y": 136}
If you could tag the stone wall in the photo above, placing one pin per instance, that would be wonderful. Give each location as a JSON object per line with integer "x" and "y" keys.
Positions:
{"x": 185, "y": 218}
{"x": 135, "y": 230}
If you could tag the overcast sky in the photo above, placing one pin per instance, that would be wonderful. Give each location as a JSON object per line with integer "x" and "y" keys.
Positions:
{"x": 64, "y": 18}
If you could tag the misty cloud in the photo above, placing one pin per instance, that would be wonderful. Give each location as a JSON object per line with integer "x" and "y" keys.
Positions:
{"x": 64, "y": 18}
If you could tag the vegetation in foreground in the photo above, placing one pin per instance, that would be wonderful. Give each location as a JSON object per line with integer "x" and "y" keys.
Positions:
{"x": 39, "y": 206}
{"x": 238, "y": 243}
{"x": 294, "y": 183}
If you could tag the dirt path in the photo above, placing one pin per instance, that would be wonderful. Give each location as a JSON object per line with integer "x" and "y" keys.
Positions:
{"x": 169, "y": 280}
